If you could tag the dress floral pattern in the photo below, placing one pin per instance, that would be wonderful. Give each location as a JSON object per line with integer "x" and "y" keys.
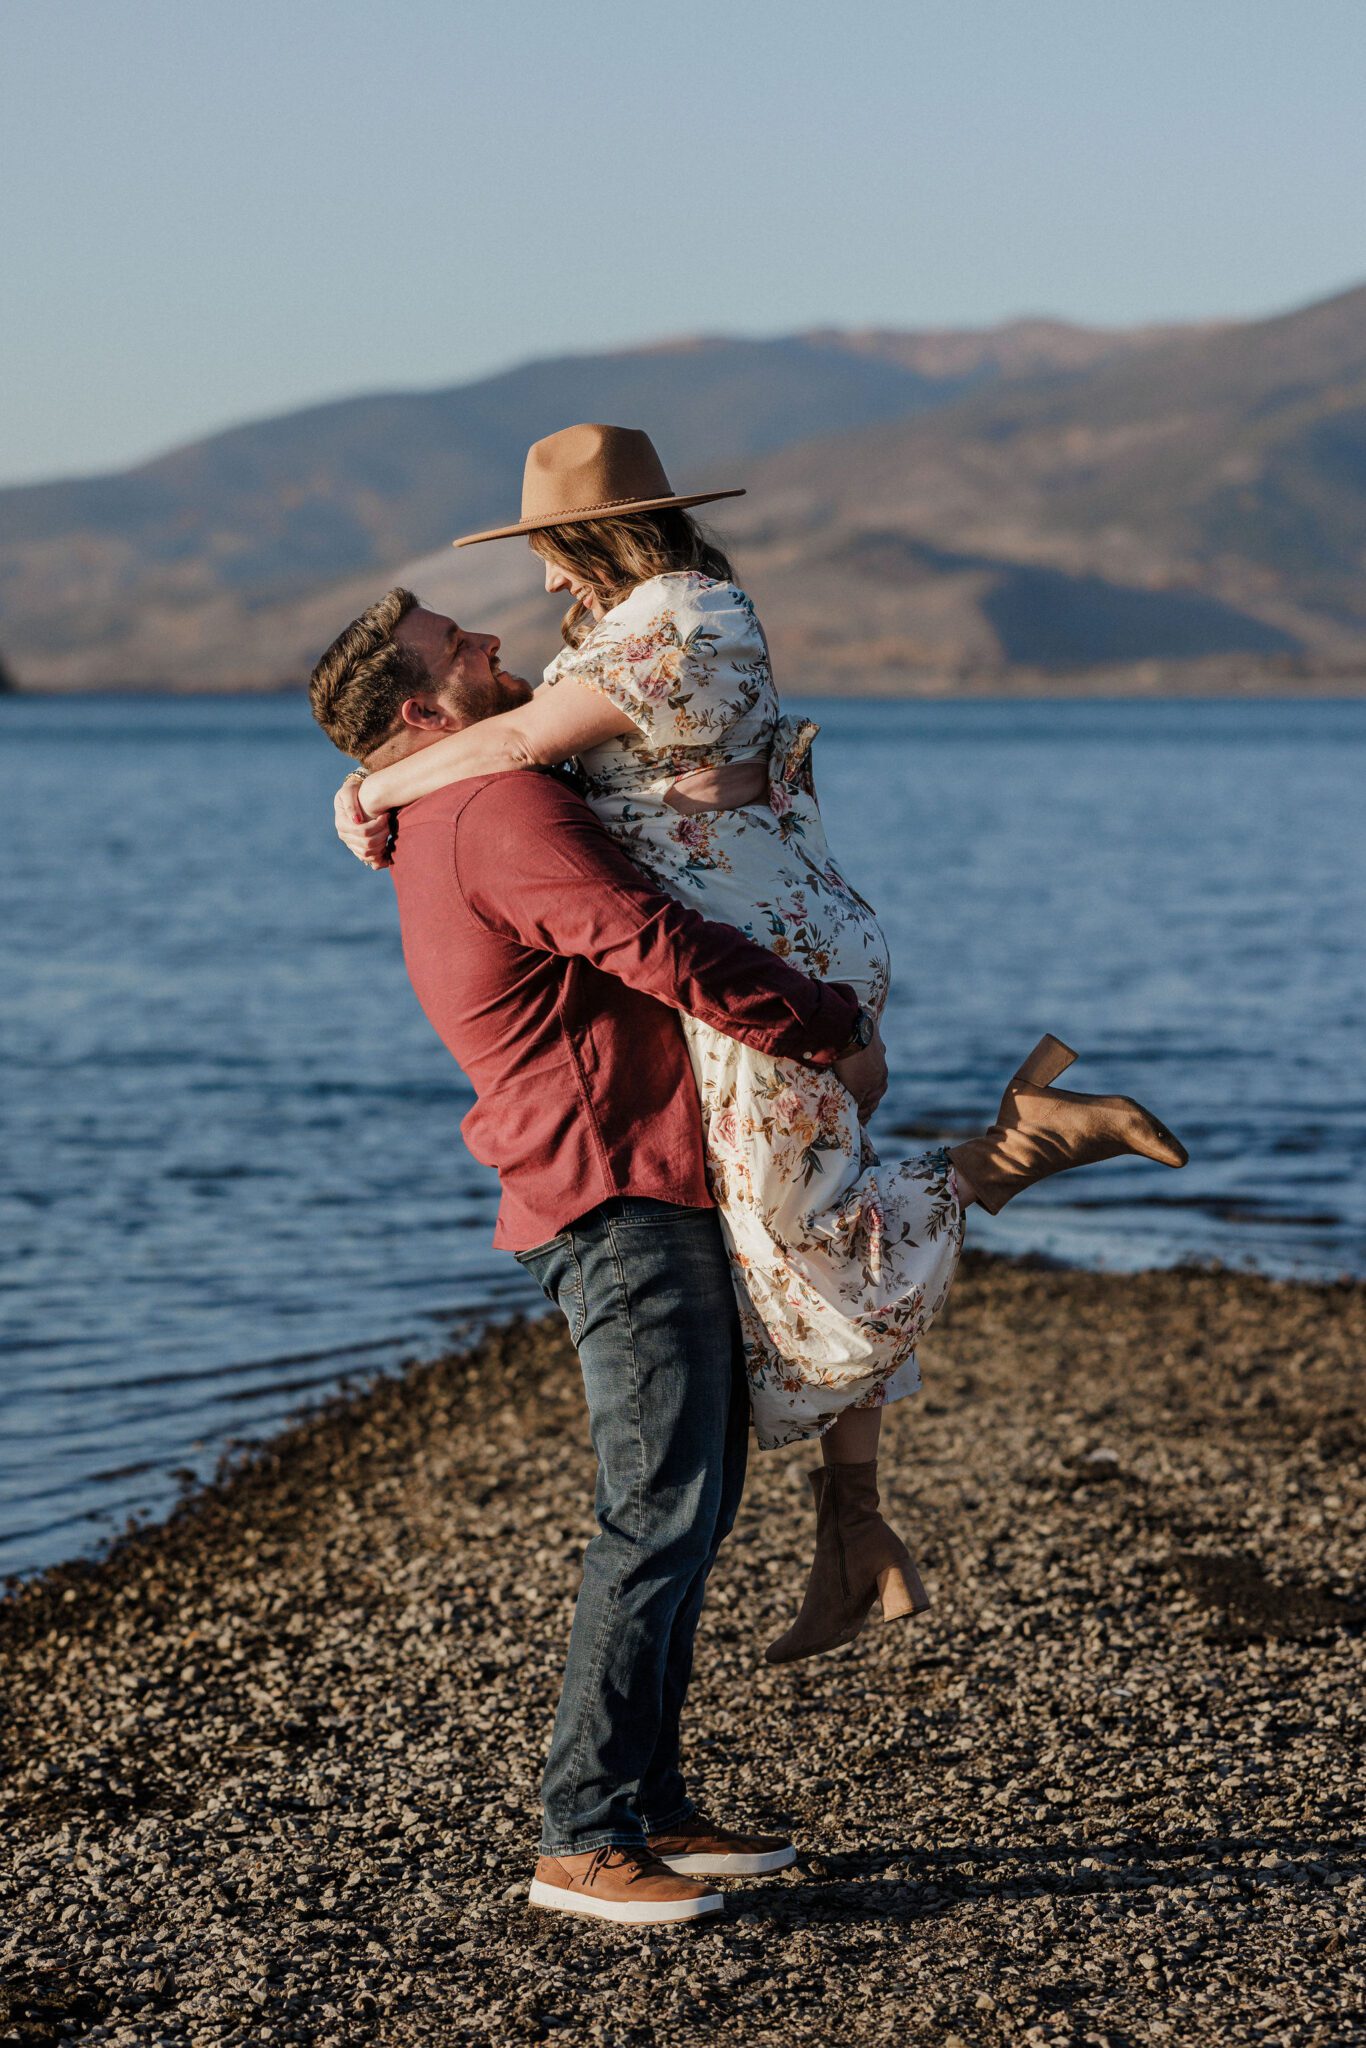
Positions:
{"x": 840, "y": 1262}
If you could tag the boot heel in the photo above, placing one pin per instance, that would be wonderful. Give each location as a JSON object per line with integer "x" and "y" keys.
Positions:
{"x": 1049, "y": 1058}
{"x": 901, "y": 1590}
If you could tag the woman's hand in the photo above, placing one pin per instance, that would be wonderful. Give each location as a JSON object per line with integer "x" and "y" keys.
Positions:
{"x": 368, "y": 838}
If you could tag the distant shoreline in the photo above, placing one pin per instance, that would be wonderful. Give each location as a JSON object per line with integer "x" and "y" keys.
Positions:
{"x": 1097, "y": 687}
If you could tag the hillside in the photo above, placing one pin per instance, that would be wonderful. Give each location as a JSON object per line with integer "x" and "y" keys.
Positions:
{"x": 1203, "y": 499}
{"x": 197, "y": 570}
{"x": 1161, "y": 508}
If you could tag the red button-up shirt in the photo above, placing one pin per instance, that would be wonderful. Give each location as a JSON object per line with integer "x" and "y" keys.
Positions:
{"x": 545, "y": 960}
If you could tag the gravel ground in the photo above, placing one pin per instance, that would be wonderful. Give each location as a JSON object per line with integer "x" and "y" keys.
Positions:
{"x": 271, "y": 1768}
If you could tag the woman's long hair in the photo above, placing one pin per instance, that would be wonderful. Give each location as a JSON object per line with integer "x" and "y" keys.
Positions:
{"x": 614, "y": 555}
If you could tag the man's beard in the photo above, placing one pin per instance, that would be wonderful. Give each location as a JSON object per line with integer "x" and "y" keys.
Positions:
{"x": 508, "y": 690}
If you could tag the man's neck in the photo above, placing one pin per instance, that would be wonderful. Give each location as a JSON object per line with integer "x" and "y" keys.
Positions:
{"x": 400, "y": 744}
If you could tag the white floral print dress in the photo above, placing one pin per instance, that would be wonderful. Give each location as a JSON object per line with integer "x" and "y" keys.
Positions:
{"x": 840, "y": 1262}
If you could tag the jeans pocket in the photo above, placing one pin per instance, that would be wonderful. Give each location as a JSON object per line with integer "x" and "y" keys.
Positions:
{"x": 538, "y": 1251}
{"x": 555, "y": 1268}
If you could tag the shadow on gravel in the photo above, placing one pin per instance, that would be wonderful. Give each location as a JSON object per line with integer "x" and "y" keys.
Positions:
{"x": 1253, "y": 1607}
{"x": 929, "y": 1882}
{"x": 50, "y": 2006}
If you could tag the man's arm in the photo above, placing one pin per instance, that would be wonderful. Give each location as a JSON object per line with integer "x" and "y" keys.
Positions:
{"x": 533, "y": 862}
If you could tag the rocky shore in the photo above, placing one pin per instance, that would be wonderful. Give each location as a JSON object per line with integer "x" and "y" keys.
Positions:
{"x": 270, "y": 1769}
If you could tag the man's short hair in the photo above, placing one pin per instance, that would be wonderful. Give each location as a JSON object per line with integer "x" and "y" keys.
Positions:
{"x": 362, "y": 682}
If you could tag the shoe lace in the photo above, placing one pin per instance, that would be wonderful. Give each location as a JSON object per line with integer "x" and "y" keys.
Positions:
{"x": 611, "y": 1854}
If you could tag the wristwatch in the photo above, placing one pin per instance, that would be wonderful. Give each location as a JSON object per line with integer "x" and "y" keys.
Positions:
{"x": 864, "y": 1026}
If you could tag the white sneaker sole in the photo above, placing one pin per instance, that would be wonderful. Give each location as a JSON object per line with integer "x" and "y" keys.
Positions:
{"x": 732, "y": 1866}
{"x": 625, "y": 1913}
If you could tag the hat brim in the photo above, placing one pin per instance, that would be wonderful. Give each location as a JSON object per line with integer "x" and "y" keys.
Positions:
{"x": 620, "y": 510}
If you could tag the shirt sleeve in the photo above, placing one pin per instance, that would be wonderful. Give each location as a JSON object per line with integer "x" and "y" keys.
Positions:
{"x": 534, "y": 864}
{"x": 682, "y": 657}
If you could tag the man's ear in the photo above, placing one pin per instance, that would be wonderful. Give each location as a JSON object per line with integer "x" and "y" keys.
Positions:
{"x": 428, "y": 714}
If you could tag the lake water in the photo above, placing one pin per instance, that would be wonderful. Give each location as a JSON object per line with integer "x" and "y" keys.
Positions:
{"x": 231, "y": 1165}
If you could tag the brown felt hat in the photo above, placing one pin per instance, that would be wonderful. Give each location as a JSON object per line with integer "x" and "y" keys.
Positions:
{"x": 591, "y": 472}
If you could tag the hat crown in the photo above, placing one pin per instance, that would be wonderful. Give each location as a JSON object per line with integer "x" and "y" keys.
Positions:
{"x": 592, "y": 472}
{"x": 590, "y": 467}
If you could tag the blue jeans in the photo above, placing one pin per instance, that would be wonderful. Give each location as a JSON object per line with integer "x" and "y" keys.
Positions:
{"x": 647, "y": 1291}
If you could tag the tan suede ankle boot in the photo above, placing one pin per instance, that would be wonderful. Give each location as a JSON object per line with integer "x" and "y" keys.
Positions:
{"x": 858, "y": 1561}
{"x": 1041, "y": 1131}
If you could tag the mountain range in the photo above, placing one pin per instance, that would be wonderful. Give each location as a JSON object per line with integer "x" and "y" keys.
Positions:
{"x": 1036, "y": 505}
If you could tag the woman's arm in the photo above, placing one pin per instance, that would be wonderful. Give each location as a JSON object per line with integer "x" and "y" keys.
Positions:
{"x": 558, "y": 723}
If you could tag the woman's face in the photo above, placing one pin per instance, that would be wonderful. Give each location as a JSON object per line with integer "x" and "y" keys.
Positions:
{"x": 583, "y": 593}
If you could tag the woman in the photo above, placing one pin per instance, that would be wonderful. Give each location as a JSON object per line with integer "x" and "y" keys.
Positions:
{"x": 840, "y": 1262}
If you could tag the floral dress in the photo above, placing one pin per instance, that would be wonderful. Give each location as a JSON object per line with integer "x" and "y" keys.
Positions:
{"x": 840, "y": 1262}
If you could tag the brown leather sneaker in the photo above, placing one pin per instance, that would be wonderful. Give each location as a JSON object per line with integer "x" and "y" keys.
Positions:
{"x": 620, "y": 1883}
{"x": 698, "y": 1848}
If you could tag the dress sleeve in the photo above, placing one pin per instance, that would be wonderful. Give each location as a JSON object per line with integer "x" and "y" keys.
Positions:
{"x": 664, "y": 656}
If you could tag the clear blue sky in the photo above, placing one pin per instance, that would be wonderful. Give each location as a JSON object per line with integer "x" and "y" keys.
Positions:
{"x": 218, "y": 211}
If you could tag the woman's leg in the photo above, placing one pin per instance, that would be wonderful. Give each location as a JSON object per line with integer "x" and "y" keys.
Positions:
{"x": 853, "y": 1439}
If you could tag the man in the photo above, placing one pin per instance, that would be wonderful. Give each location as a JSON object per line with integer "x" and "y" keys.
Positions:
{"x": 553, "y": 971}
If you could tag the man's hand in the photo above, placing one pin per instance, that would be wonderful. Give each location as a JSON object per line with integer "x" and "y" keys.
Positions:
{"x": 368, "y": 838}
{"x": 864, "y": 1074}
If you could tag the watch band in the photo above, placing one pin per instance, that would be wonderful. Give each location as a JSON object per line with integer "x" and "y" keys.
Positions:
{"x": 862, "y": 1035}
